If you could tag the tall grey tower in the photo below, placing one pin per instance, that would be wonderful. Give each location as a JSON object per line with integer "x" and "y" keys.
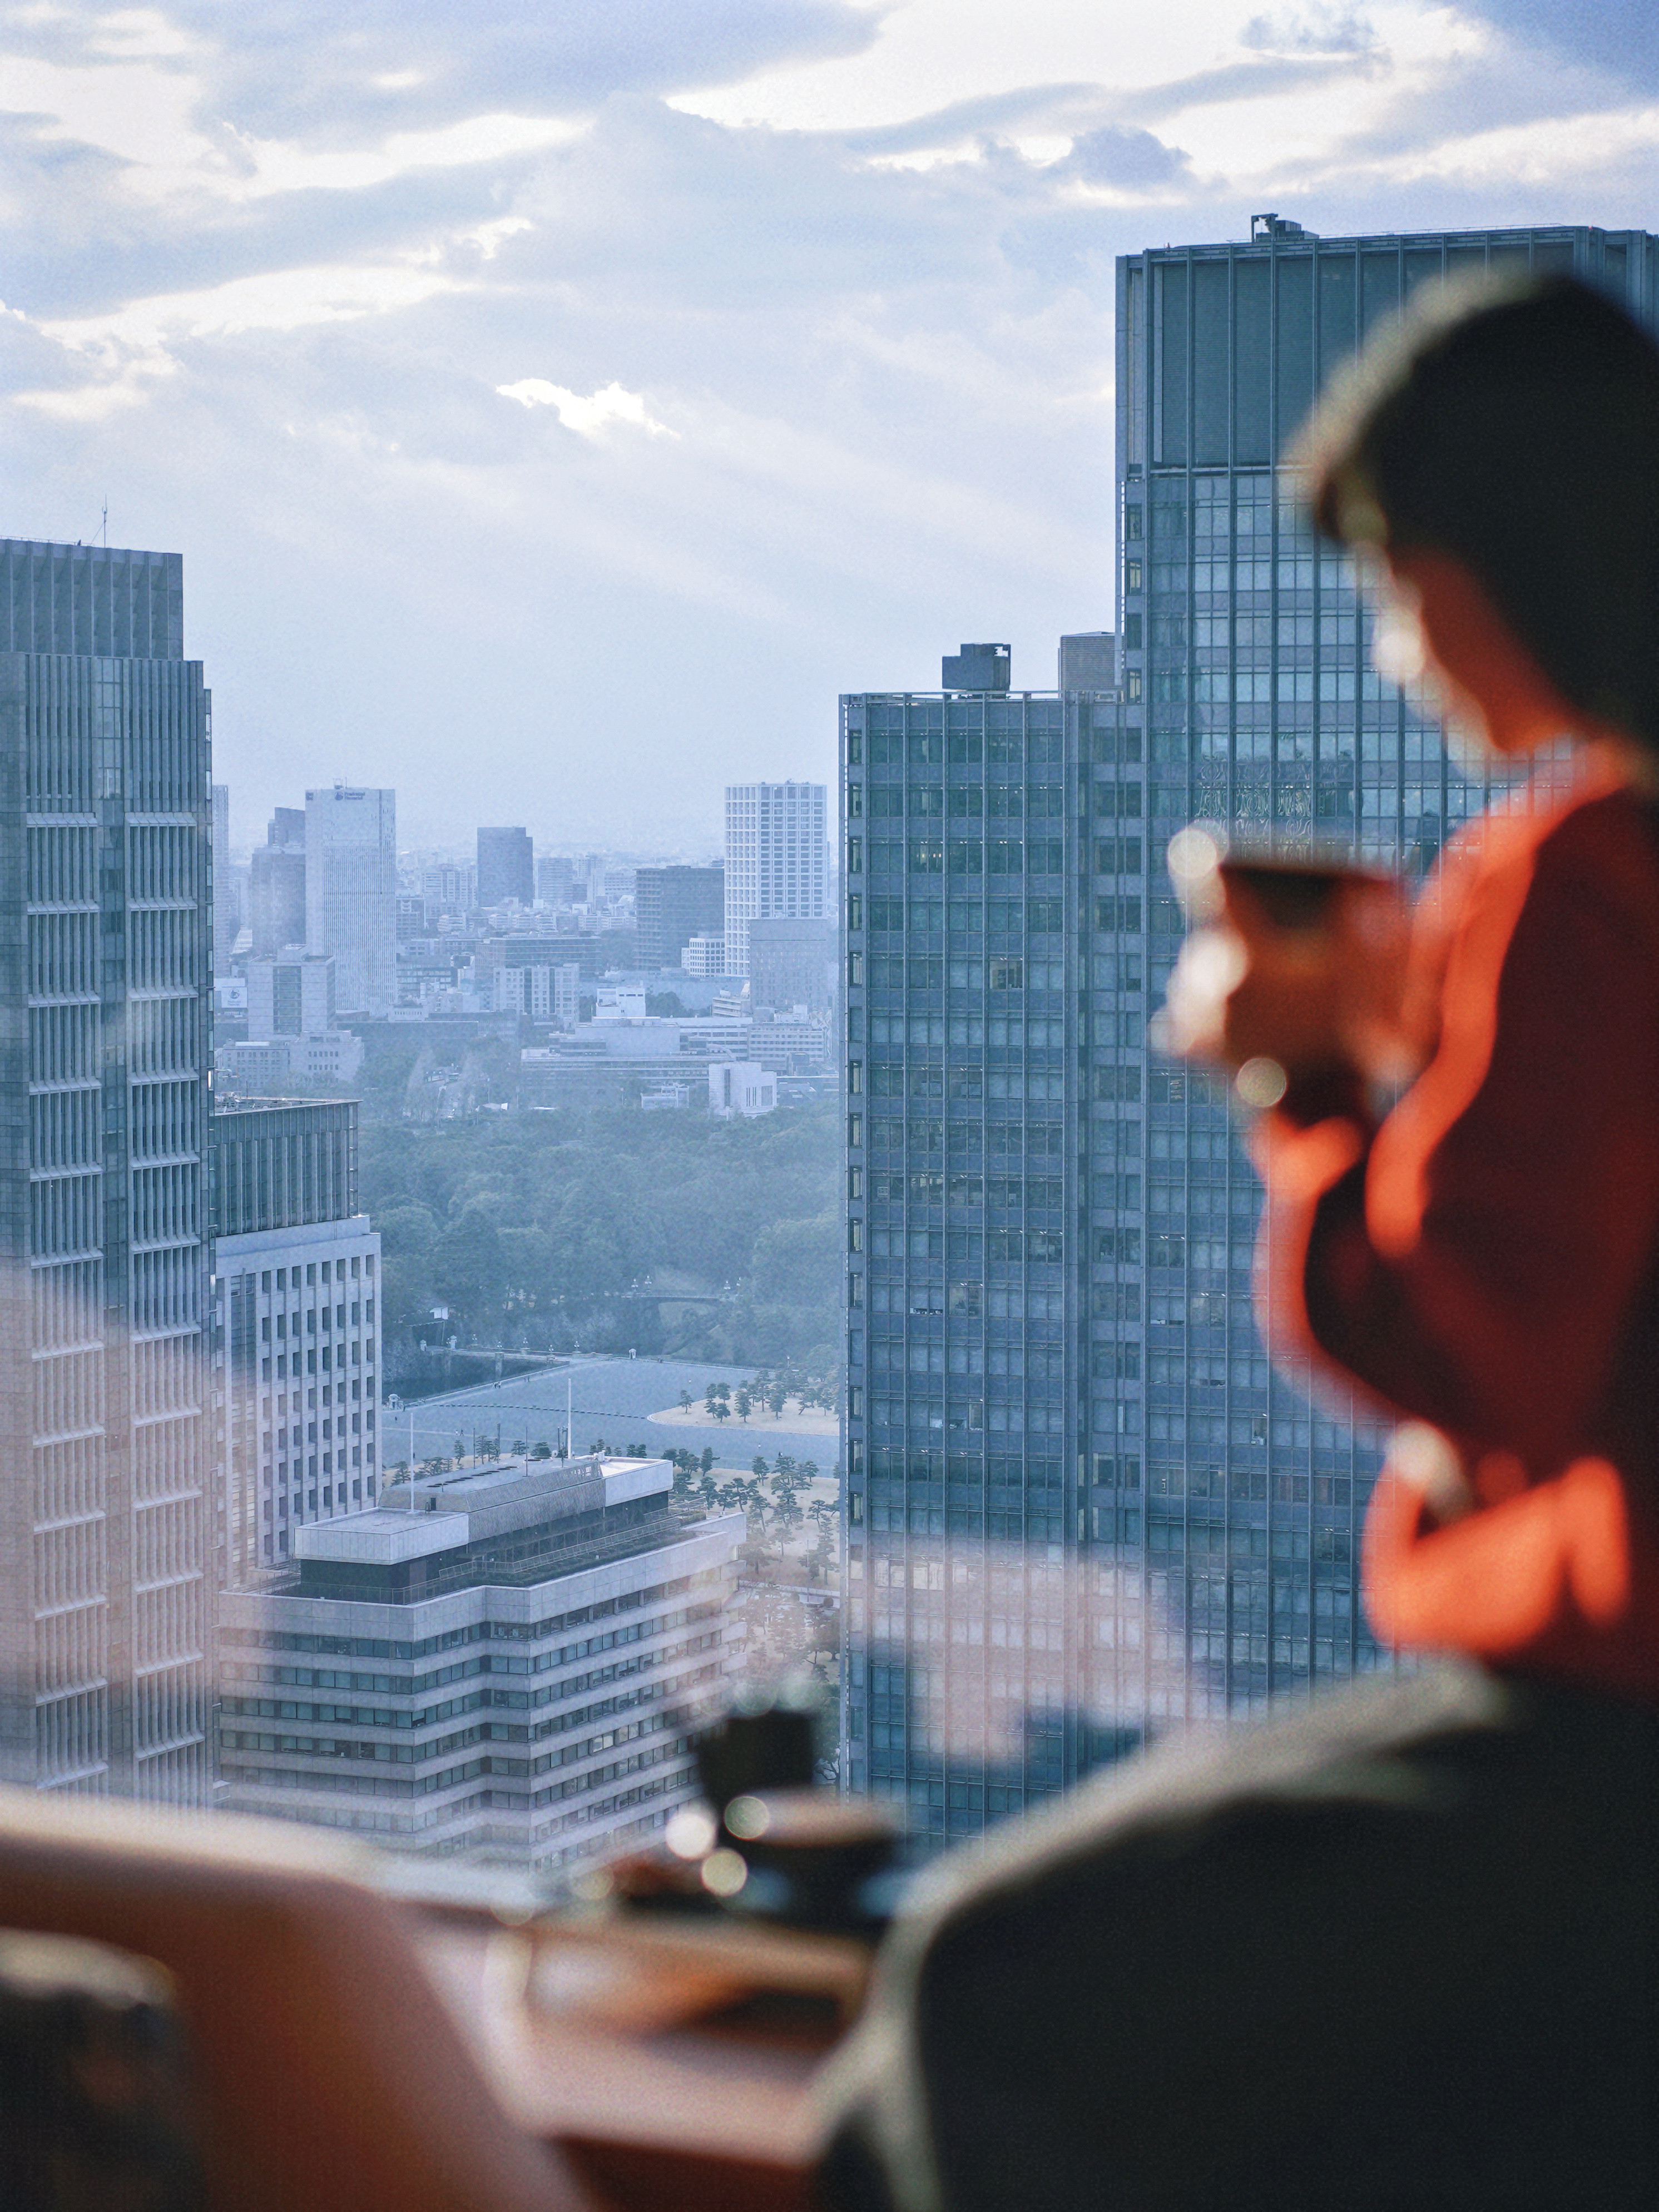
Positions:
{"x": 351, "y": 893}
{"x": 105, "y": 953}
{"x": 1082, "y": 1500}
{"x": 507, "y": 867}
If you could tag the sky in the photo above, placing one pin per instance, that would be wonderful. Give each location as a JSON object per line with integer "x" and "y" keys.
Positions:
{"x": 557, "y": 407}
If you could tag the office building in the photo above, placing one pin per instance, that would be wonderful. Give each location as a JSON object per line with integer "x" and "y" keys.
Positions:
{"x": 776, "y": 860}
{"x": 297, "y": 1309}
{"x": 351, "y": 893}
{"x": 792, "y": 962}
{"x": 448, "y": 887}
{"x": 741, "y": 1089}
{"x": 671, "y": 907}
{"x": 555, "y": 879}
{"x": 290, "y": 997}
{"x": 507, "y": 867}
{"x": 1082, "y": 1501}
{"x": 703, "y": 956}
{"x": 540, "y": 994}
{"x": 508, "y": 1661}
{"x": 107, "y": 960}
{"x": 1088, "y": 661}
{"x": 276, "y": 885}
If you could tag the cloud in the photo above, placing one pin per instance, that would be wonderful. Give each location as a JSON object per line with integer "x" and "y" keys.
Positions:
{"x": 1315, "y": 30}
{"x": 326, "y": 72}
{"x": 591, "y": 417}
{"x": 1618, "y": 38}
{"x": 1119, "y": 154}
{"x": 830, "y": 394}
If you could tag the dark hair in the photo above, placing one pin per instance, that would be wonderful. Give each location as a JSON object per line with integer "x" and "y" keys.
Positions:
{"x": 1515, "y": 427}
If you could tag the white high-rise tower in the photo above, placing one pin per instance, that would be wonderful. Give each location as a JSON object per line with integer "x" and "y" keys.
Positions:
{"x": 775, "y": 860}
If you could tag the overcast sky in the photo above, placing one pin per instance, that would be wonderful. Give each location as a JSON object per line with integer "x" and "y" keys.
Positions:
{"x": 557, "y": 406}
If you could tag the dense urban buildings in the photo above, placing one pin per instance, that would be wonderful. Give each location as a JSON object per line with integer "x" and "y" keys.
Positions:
{"x": 351, "y": 893}
{"x": 1081, "y": 1500}
{"x": 673, "y": 905}
{"x": 775, "y": 860}
{"x": 297, "y": 1326}
{"x": 507, "y": 867}
{"x": 107, "y": 957}
{"x": 508, "y": 1661}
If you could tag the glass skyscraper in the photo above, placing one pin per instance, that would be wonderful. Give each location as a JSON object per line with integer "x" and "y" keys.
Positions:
{"x": 107, "y": 955}
{"x": 1082, "y": 1501}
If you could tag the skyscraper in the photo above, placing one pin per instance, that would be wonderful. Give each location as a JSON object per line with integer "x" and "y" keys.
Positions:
{"x": 507, "y": 867}
{"x": 276, "y": 885}
{"x": 106, "y": 961}
{"x": 1082, "y": 1501}
{"x": 351, "y": 893}
{"x": 225, "y": 919}
{"x": 673, "y": 905}
{"x": 775, "y": 859}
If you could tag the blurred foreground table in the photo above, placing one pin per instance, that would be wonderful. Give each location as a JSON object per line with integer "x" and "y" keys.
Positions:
{"x": 671, "y": 2060}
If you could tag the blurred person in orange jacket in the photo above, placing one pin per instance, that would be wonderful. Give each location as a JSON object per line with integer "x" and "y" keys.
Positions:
{"x": 1402, "y": 1947}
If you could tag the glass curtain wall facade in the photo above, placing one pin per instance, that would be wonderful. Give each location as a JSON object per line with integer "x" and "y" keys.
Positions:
{"x": 965, "y": 1083}
{"x": 107, "y": 957}
{"x": 1084, "y": 1502}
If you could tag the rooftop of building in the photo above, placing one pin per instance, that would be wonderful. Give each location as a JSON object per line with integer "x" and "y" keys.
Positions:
{"x": 507, "y": 1520}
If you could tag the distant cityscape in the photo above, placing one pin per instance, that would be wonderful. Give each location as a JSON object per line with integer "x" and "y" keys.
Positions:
{"x": 665, "y": 984}
{"x": 1070, "y": 1500}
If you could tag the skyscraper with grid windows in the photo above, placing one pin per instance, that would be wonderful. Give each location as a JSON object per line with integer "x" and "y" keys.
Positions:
{"x": 1082, "y": 1500}
{"x": 106, "y": 962}
{"x": 775, "y": 859}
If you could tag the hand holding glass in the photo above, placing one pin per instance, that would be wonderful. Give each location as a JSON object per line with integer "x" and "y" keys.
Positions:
{"x": 1293, "y": 968}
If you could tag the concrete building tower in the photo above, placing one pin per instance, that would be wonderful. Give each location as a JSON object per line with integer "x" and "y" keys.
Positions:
{"x": 671, "y": 906}
{"x": 351, "y": 893}
{"x": 507, "y": 867}
{"x": 775, "y": 860}
{"x": 106, "y": 977}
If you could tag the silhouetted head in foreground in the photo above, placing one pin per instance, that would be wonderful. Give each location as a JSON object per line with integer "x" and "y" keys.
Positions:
{"x": 1514, "y": 428}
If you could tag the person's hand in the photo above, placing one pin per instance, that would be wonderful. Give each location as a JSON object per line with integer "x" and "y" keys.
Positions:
{"x": 1303, "y": 1001}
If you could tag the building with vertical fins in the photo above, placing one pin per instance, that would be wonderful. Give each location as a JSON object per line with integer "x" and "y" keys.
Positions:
{"x": 1082, "y": 1500}
{"x": 106, "y": 979}
{"x": 775, "y": 859}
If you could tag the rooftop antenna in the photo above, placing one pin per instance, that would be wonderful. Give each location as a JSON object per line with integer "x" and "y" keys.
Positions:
{"x": 106, "y": 524}
{"x": 411, "y": 1458}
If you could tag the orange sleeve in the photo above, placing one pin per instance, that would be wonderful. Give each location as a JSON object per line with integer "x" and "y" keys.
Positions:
{"x": 1473, "y": 1263}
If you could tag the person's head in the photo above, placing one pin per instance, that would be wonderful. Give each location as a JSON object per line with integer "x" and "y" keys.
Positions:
{"x": 1498, "y": 448}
